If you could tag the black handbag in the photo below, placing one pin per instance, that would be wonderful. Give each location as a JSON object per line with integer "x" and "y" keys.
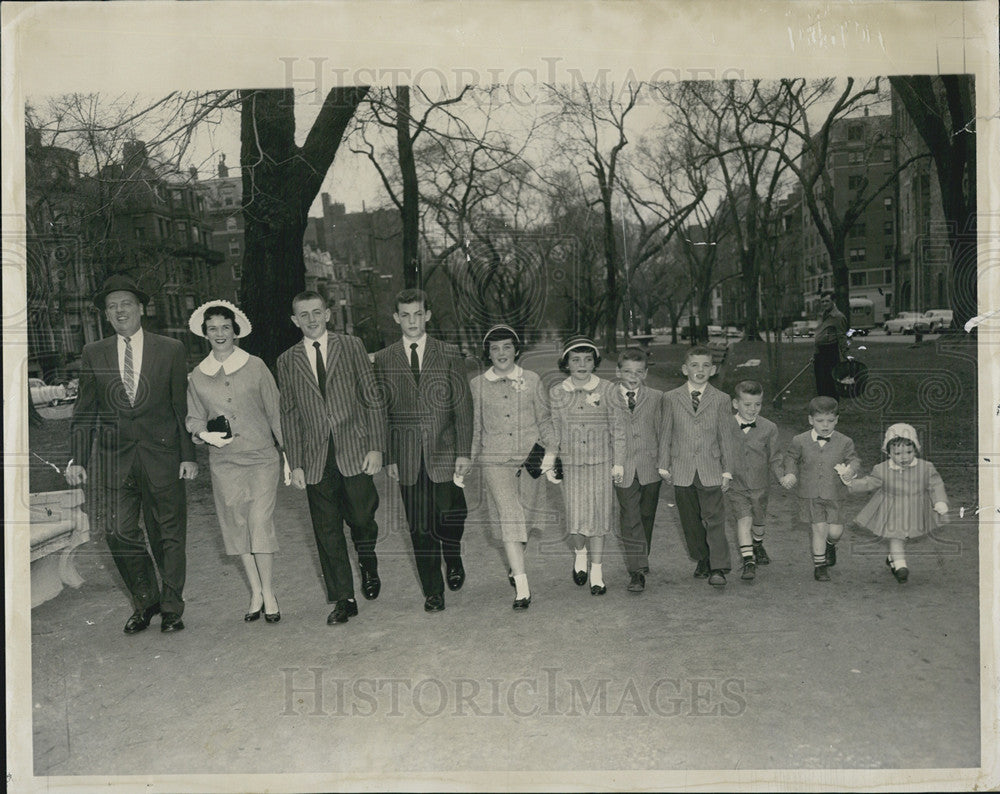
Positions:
{"x": 219, "y": 425}
{"x": 533, "y": 463}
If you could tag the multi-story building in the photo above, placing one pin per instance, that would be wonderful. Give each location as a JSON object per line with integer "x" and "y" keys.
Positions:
{"x": 223, "y": 200}
{"x": 860, "y": 160}
{"x": 923, "y": 258}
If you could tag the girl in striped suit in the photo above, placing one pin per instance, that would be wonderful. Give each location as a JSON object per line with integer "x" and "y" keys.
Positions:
{"x": 589, "y": 436}
{"x": 910, "y": 498}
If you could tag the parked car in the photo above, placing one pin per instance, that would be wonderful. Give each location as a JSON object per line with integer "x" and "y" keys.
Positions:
{"x": 803, "y": 327}
{"x": 732, "y": 332}
{"x": 902, "y": 323}
{"x": 862, "y": 318}
{"x": 933, "y": 321}
{"x": 715, "y": 330}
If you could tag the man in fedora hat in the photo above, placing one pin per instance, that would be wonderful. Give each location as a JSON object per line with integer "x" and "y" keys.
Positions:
{"x": 133, "y": 398}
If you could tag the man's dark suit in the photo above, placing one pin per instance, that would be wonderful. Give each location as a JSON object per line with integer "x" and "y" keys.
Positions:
{"x": 328, "y": 437}
{"x": 139, "y": 450}
{"x": 430, "y": 424}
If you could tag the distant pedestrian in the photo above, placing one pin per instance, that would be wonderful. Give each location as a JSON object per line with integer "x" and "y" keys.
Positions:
{"x": 813, "y": 464}
{"x": 233, "y": 406}
{"x": 830, "y": 345}
{"x": 910, "y": 499}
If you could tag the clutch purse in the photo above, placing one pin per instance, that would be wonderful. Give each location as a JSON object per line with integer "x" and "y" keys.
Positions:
{"x": 533, "y": 463}
{"x": 219, "y": 425}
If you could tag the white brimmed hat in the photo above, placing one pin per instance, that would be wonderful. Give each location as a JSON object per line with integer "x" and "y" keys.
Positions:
{"x": 198, "y": 317}
{"x": 900, "y": 430}
{"x": 579, "y": 341}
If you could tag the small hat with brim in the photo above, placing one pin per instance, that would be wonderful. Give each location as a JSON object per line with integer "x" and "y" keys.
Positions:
{"x": 119, "y": 283}
{"x": 901, "y": 431}
{"x": 501, "y": 327}
{"x": 198, "y": 317}
{"x": 579, "y": 341}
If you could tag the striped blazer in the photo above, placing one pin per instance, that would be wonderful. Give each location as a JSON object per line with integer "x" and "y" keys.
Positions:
{"x": 755, "y": 454}
{"x": 696, "y": 443}
{"x": 586, "y": 427}
{"x": 429, "y": 420}
{"x": 353, "y": 411}
{"x": 643, "y": 428}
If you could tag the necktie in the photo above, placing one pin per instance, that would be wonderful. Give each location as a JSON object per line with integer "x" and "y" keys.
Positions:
{"x": 128, "y": 377}
{"x": 320, "y": 370}
{"x": 748, "y": 424}
{"x": 821, "y": 440}
{"x": 414, "y": 362}
{"x": 631, "y": 400}
{"x": 695, "y": 400}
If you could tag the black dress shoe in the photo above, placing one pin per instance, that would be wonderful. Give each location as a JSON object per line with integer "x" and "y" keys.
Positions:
{"x": 522, "y": 603}
{"x": 717, "y": 579}
{"x": 598, "y": 589}
{"x": 371, "y": 585}
{"x": 352, "y": 608}
{"x": 140, "y": 619}
{"x": 434, "y": 603}
{"x": 171, "y": 622}
{"x": 272, "y": 617}
{"x": 339, "y": 614}
{"x": 637, "y": 582}
{"x": 579, "y": 577}
{"x": 252, "y": 616}
{"x": 702, "y": 570}
{"x": 455, "y": 577}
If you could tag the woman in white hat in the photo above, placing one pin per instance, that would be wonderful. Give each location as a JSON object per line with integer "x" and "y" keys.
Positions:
{"x": 910, "y": 499}
{"x": 233, "y": 406}
{"x": 510, "y": 424}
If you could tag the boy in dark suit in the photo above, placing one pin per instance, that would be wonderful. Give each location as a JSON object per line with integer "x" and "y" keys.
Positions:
{"x": 755, "y": 455}
{"x": 430, "y": 442}
{"x": 695, "y": 451}
{"x": 333, "y": 424}
{"x": 638, "y": 493}
{"x": 814, "y": 462}
{"x": 133, "y": 397}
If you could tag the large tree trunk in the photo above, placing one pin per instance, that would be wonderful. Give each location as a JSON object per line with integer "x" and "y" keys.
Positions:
{"x": 412, "y": 271}
{"x": 280, "y": 181}
{"x": 610, "y": 265}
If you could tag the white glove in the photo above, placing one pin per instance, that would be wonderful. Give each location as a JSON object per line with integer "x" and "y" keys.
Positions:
{"x": 288, "y": 471}
{"x": 215, "y": 439}
{"x": 548, "y": 461}
{"x": 941, "y": 508}
{"x": 550, "y": 475}
{"x": 618, "y": 473}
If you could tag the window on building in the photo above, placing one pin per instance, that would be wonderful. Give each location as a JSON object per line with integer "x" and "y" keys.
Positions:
{"x": 151, "y": 308}
{"x": 858, "y": 254}
{"x": 189, "y": 302}
{"x": 855, "y": 158}
{"x": 231, "y": 224}
{"x": 237, "y": 271}
{"x": 887, "y": 203}
{"x": 182, "y": 228}
{"x": 887, "y": 228}
{"x": 855, "y": 132}
{"x": 234, "y": 248}
{"x": 887, "y": 252}
{"x": 855, "y": 181}
{"x": 859, "y": 279}
{"x": 140, "y": 233}
{"x": 858, "y": 230}
{"x": 887, "y": 276}
{"x": 886, "y": 154}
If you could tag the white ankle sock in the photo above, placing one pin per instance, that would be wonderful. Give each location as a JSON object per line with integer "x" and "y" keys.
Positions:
{"x": 596, "y": 574}
{"x": 898, "y": 562}
{"x": 521, "y": 583}
{"x": 580, "y": 561}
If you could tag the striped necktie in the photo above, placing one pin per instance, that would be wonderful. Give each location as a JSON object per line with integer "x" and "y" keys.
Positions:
{"x": 128, "y": 375}
{"x": 695, "y": 400}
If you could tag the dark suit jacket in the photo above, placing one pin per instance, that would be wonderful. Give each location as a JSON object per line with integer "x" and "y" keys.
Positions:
{"x": 152, "y": 430}
{"x": 696, "y": 442}
{"x": 813, "y": 465}
{"x": 353, "y": 411}
{"x": 432, "y": 419}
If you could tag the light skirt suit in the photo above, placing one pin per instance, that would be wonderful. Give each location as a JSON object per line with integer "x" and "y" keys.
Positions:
{"x": 245, "y": 472}
{"x": 510, "y": 417}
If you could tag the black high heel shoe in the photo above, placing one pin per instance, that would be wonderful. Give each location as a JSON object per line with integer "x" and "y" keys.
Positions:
{"x": 271, "y": 617}
{"x": 249, "y": 617}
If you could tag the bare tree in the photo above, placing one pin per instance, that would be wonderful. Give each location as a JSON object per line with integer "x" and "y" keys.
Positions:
{"x": 280, "y": 182}
{"x": 943, "y": 112}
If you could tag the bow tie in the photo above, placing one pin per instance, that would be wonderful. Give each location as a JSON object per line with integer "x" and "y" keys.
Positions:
{"x": 821, "y": 440}
{"x": 748, "y": 424}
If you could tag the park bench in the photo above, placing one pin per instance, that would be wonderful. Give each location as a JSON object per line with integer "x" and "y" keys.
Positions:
{"x": 58, "y": 526}
{"x": 643, "y": 340}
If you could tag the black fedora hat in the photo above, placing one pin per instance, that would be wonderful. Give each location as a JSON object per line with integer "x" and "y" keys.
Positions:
{"x": 119, "y": 283}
